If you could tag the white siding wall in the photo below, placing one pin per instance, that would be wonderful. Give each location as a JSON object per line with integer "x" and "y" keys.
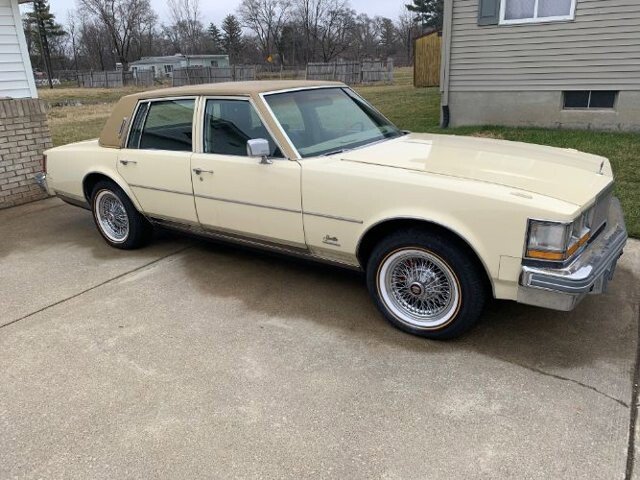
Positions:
{"x": 16, "y": 76}
{"x": 600, "y": 49}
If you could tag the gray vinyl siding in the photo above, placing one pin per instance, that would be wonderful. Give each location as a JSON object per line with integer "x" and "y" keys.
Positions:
{"x": 600, "y": 49}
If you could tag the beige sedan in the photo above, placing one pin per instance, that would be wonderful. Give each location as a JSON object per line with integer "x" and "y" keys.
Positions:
{"x": 438, "y": 223}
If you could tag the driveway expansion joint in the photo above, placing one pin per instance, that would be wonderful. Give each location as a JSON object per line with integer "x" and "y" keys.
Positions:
{"x": 101, "y": 284}
{"x": 633, "y": 417}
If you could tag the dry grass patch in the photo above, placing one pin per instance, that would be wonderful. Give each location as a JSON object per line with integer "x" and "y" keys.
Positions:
{"x": 83, "y": 96}
{"x": 83, "y": 113}
{"x": 73, "y": 124}
{"x": 488, "y": 134}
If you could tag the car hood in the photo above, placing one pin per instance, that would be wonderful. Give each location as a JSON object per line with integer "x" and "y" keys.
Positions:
{"x": 564, "y": 174}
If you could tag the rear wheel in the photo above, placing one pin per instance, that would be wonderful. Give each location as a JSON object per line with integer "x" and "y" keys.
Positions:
{"x": 426, "y": 283}
{"x": 118, "y": 221}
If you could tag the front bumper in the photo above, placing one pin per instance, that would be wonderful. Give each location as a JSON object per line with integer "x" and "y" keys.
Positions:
{"x": 590, "y": 273}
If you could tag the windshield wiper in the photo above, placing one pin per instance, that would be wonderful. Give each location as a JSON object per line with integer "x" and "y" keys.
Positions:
{"x": 335, "y": 152}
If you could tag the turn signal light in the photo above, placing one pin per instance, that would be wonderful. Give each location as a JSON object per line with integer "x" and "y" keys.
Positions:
{"x": 542, "y": 255}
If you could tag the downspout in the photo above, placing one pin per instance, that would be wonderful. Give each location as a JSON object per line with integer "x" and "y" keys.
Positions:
{"x": 447, "y": 27}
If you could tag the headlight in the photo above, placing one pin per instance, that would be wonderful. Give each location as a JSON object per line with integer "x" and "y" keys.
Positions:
{"x": 556, "y": 242}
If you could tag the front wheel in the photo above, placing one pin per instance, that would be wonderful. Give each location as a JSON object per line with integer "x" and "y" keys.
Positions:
{"x": 427, "y": 284}
{"x": 117, "y": 219}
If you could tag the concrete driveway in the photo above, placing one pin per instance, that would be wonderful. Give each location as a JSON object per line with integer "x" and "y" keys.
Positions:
{"x": 194, "y": 360}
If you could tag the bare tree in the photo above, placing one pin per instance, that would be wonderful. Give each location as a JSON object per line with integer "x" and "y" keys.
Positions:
{"x": 405, "y": 26}
{"x": 312, "y": 16}
{"x": 72, "y": 28}
{"x": 336, "y": 32}
{"x": 94, "y": 44}
{"x": 187, "y": 29}
{"x": 267, "y": 19}
{"x": 122, "y": 19}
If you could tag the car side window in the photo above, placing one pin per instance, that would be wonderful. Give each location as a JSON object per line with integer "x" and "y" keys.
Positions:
{"x": 168, "y": 125}
{"x": 229, "y": 124}
{"x": 136, "y": 127}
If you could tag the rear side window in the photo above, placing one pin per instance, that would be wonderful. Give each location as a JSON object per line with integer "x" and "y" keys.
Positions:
{"x": 164, "y": 125}
{"x": 136, "y": 128}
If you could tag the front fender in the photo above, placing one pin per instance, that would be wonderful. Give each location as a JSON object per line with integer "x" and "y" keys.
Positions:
{"x": 489, "y": 259}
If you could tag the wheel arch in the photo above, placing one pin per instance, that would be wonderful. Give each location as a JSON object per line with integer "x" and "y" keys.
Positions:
{"x": 377, "y": 231}
{"x": 92, "y": 178}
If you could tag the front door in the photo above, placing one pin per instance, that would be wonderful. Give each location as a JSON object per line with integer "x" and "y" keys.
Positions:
{"x": 157, "y": 161}
{"x": 237, "y": 194}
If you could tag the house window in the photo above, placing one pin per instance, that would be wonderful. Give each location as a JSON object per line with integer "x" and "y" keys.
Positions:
{"x": 214, "y": 63}
{"x": 168, "y": 69}
{"x": 536, "y": 11}
{"x": 589, "y": 99}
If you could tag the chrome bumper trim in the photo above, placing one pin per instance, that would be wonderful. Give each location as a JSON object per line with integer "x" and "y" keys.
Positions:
{"x": 73, "y": 200}
{"x": 589, "y": 273}
{"x": 41, "y": 180}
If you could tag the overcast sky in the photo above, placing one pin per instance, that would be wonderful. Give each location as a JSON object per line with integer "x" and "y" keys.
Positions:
{"x": 216, "y": 10}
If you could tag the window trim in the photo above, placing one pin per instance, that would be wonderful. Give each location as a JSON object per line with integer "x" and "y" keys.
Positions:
{"x": 144, "y": 123}
{"x": 519, "y": 21}
{"x": 203, "y": 112}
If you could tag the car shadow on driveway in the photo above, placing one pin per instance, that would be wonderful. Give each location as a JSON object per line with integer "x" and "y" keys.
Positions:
{"x": 60, "y": 228}
{"x": 601, "y": 332}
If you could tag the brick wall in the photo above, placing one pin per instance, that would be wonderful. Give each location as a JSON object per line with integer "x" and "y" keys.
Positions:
{"x": 24, "y": 135}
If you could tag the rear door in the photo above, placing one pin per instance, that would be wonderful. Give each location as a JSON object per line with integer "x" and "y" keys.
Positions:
{"x": 156, "y": 162}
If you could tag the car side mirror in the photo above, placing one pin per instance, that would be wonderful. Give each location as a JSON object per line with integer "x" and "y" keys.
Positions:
{"x": 259, "y": 147}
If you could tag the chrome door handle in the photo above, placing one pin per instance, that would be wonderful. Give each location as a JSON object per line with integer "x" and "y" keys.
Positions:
{"x": 127, "y": 162}
{"x": 199, "y": 171}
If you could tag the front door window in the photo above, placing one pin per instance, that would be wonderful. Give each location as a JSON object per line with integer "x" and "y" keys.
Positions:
{"x": 229, "y": 124}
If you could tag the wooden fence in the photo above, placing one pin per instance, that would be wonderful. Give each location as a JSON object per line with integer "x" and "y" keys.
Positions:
{"x": 114, "y": 79}
{"x": 427, "y": 58}
{"x": 282, "y": 72}
{"x": 352, "y": 73}
{"x": 200, "y": 75}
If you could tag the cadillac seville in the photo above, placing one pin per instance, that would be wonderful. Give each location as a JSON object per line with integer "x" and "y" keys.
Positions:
{"x": 438, "y": 223}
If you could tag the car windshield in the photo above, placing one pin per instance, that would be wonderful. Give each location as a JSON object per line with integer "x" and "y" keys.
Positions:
{"x": 329, "y": 120}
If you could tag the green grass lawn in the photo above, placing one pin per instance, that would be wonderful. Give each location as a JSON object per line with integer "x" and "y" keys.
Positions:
{"x": 411, "y": 109}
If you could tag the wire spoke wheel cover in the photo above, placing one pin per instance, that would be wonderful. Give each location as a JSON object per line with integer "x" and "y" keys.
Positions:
{"x": 111, "y": 216}
{"x": 419, "y": 288}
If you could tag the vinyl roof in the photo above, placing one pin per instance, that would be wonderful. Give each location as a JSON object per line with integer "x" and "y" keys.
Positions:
{"x": 233, "y": 88}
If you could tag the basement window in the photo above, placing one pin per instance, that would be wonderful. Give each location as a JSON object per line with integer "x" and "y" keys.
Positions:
{"x": 590, "y": 99}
